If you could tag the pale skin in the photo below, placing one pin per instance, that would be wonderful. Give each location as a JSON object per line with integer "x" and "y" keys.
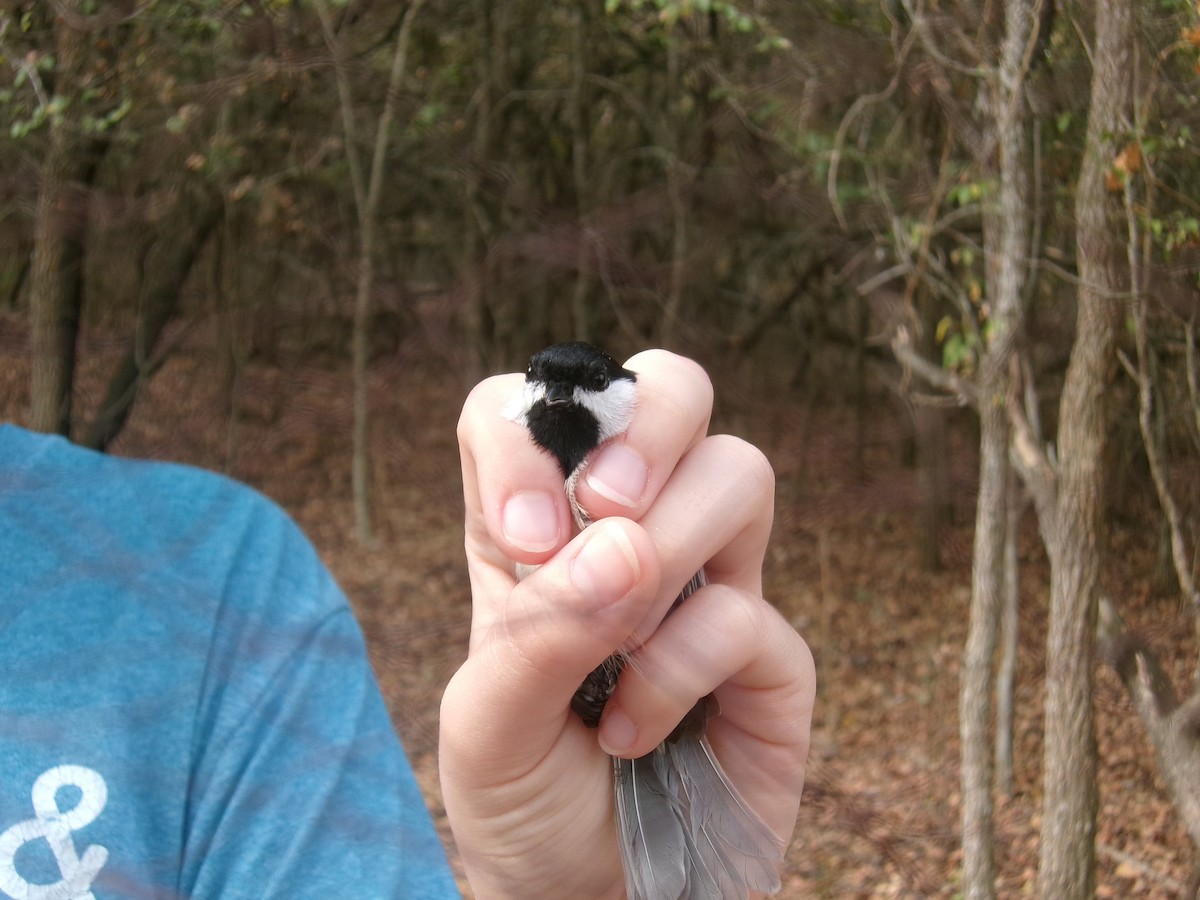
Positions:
{"x": 527, "y": 787}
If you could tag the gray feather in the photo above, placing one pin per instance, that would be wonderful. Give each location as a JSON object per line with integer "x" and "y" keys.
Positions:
{"x": 684, "y": 830}
{"x": 734, "y": 845}
{"x": 685, "y": 833}
{"x": 650, "y": 828}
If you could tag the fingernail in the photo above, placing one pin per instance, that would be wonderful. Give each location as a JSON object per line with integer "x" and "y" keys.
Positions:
{"x": 617, "y": 733}
{"x": 530, "y": 521}
{"x": 618, "y": 473}
{"x": 606, "y": 569}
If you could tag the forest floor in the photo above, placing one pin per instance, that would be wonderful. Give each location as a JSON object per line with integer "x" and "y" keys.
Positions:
{"x": 881, "y": 808}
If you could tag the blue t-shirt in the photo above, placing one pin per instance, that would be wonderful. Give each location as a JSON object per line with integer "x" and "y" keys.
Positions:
{"x": 186, "y": 707}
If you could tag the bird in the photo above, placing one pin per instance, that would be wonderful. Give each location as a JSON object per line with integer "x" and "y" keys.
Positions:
{"x": 684, "y": 830}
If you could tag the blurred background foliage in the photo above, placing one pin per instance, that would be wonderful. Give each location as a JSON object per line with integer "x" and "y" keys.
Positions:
{"x": 787, "y": 176}
{"x": 678, "y": 173}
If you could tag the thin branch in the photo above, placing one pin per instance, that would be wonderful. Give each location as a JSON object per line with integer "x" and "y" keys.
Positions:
{"x": 1035, "y": 219}
{"x": 96, "y": 21}
{"x": 1015, "y": 92}
{"x": 1031, "y": 458}
{"x": 383, "y": 131}
{"x": 941, "y": 188}
{"x": 856, "y": 108}
{"x": 935, "y": 376}
{"x": 1144, "y": 869}
{"x": 366, "y": 198}
{"x": 879, "y": 279}
{"x": 1143, "y": 379}
{"x": 1192, "y": 379}
{"x": 23, "y": 64}
{"x": 921, "y": 25}
{"x": 346, "y": 101}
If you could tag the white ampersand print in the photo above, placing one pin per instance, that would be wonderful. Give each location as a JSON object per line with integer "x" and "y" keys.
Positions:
{"x": 54, "y": 826}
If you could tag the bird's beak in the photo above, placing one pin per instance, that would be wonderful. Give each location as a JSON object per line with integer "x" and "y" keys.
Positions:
{"x": 559, "y": 394}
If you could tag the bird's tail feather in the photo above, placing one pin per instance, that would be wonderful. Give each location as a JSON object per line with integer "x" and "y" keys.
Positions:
{"x": 686, "y": 833}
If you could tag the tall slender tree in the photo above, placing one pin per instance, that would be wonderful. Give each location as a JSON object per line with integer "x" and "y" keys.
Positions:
{"x": 367, "y": 195}
{"x": 1071, "y": 504}
{"x": 1006, "y": 239}
{"x": 999, "y": 144}
{"x": 60, "y": 226}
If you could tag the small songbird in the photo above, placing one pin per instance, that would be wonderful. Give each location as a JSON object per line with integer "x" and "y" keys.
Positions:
{"x": 684, "y": 831}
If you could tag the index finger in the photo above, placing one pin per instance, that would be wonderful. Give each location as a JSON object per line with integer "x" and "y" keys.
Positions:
{"x": 624, "y": 477}
{"x": 516, "y": 510}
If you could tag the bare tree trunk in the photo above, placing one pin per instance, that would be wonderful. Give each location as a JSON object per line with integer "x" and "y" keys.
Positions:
{"x": 929, "y": 421}
{"x": 491, "y": 55}
{"x": 1006, "y": 673}
{"x": 1172, "y": 725}
{"x": 169, "y": 265}
{"x": 675, "y": 193}
{"x": 367, "y": 198}
{"x": 60, "y": 228}
{"x": 580, "y": 314}
{"x": 975, "y": 690}
{"x": 56, "y": 288}
{"x": 1008, "y": 241}
{"x": 1074, "y": 538}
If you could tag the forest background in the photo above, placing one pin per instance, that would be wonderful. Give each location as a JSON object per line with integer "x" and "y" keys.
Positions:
{"x": 940, "y": 257}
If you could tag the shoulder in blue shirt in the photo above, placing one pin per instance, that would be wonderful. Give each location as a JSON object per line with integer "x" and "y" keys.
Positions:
{"x": 186, "y": 707}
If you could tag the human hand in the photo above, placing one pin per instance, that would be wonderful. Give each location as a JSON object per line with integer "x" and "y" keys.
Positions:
{"x": 528, "y": 789}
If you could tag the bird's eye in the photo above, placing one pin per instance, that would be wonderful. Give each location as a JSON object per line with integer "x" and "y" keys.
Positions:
{"x": 600, "y": 381}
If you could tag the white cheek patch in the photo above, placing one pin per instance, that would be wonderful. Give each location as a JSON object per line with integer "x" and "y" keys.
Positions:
{"x": 517, "y": 408}
{"x": 613, "y": 407}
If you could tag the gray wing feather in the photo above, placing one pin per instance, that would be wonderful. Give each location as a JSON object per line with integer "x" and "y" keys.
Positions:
{"x": 734, "y": 844}
{"x": 650, "y": 828}
{"x": 686, "y": 833}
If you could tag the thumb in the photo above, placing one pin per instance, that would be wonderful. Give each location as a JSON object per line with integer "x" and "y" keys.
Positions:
{"x": 514, "y": 690}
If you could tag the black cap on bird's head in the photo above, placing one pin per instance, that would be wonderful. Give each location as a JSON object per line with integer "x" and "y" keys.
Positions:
{"x": 575, "y": 398}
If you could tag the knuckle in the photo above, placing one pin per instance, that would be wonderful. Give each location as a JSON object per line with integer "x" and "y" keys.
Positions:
{"x": 748, "y": 460}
